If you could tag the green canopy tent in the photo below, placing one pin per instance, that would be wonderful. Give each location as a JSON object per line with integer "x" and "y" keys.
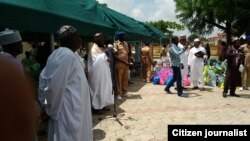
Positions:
{"x": 46, "y": 16}
{"x": 134, "y": 29}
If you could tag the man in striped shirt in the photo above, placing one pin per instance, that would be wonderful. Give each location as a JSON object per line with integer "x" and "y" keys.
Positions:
{"x": 175, "y": 53}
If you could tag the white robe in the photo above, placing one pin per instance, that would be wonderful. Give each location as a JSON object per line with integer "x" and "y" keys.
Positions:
{"x": 66, "y": 91}
{"x": 99, "y": 77}
{"x": 184, "y": 61}
{"x": 82, "y": 60}
{"x": 196, "y": 66}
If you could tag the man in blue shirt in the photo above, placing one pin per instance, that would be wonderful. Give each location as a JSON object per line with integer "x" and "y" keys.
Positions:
{"x": 175, "y": 53}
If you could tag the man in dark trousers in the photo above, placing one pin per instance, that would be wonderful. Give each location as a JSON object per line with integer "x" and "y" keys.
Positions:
{"x": 175, "y": 53}
{"x": 233, "y": 75}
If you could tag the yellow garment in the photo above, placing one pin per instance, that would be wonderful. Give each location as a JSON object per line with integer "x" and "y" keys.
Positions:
{"x": 246, "y": 72}
{"x": 146, "y": 57}
{"x": 246, "y": 50}
{"x": 121, "y": 67}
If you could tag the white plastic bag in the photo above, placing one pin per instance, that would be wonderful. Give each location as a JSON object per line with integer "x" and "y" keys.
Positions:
{"x": 241, "y": 68}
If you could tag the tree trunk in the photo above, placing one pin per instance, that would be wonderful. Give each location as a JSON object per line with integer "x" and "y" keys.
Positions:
{"x": 228, "y": 32}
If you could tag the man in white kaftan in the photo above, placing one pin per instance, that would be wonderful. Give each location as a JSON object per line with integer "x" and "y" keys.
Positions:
{"x": 184, "y": 56}
{"x": 196, "y": 65}
{"x": 65, "y": 87}
{"x": 99, "y": 75}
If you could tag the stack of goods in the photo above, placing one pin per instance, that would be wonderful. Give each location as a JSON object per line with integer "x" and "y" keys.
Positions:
{"x": 161, "y": 75}
{"x": 214, "y": 74}
{"x": 164, "y": 75}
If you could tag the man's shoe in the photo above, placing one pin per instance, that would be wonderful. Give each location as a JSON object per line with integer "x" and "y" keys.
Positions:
{"x": 168, "y": 91}
{"x": 224, "y": 95}
{"x": 126, "y": 95}
{"x": 234, "y": 95}
{"x": 129, "y": 82}
{"x": 182, "y": 95}
{"x": 119, "y": 97}
{"x": 195, "y": 88}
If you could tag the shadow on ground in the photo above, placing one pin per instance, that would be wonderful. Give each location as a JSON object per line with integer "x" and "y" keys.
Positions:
{"x": 119, "y": 111}
{"x": 208, "y": 89}
{"x": 98, "y": 134}
{"x": 246, "y": 95}
{"x": 193, "y": 95}
{"x": 138, "y": 84}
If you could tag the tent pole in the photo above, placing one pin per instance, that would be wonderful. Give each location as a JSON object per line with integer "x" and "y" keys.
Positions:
{"x": 52, "y": 42}
{"x": 141, "y": 60}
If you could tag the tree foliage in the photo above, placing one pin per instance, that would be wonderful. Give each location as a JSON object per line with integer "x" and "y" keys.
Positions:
{"x": 201, "y": 16}
{"x": 104, "y": 4}
{"x": 192, "y": 37}
{"x": 166, "y": 26}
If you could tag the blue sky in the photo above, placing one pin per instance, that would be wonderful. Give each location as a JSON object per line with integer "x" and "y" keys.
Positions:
{"x": 146, "y": 10}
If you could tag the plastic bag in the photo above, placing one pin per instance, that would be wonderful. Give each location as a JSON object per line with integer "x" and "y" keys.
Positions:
{"x": 206, "y": 68}
{"x": 218, "y": 69}
{"x": 156, "y": 79}
{"x": 241, "y": 68}
{"x": 186, "y": 81}
{"x": 169, "y": 79}
{"x": 211, "y": 79}
{"x": 165, "y": 73}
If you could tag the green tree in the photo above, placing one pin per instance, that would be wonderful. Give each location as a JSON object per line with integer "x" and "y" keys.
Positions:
{"x": 201, "y": 16}
{"x": 166, "y": 26}
{"x": 192, "y": 37}
{"x": 104, "y": 4}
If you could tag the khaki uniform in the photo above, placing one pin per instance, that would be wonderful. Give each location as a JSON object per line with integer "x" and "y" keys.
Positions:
{"x": 146, "y": 59}
{"x": 121, "y": 67}
{"x": 246, "y": 72}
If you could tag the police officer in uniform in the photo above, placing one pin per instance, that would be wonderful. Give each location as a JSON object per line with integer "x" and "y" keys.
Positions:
{"x": 146, "y": 57}
{"x": 121, "y": 65}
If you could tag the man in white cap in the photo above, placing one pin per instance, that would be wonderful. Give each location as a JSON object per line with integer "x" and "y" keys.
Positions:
{"x": 11, "y": 42}
{"x": 196, "y": 64}
{"x": 65, "y": 87}
{"x": 99, "y": 76}
{"x": 15, "y": 90}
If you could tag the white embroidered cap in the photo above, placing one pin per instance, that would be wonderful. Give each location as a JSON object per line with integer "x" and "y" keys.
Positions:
{"x": 9, "y": 37}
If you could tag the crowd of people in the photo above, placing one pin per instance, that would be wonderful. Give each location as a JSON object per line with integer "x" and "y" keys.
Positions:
{"x": 186, "y": 60}
{"x": 70, "y": 86}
